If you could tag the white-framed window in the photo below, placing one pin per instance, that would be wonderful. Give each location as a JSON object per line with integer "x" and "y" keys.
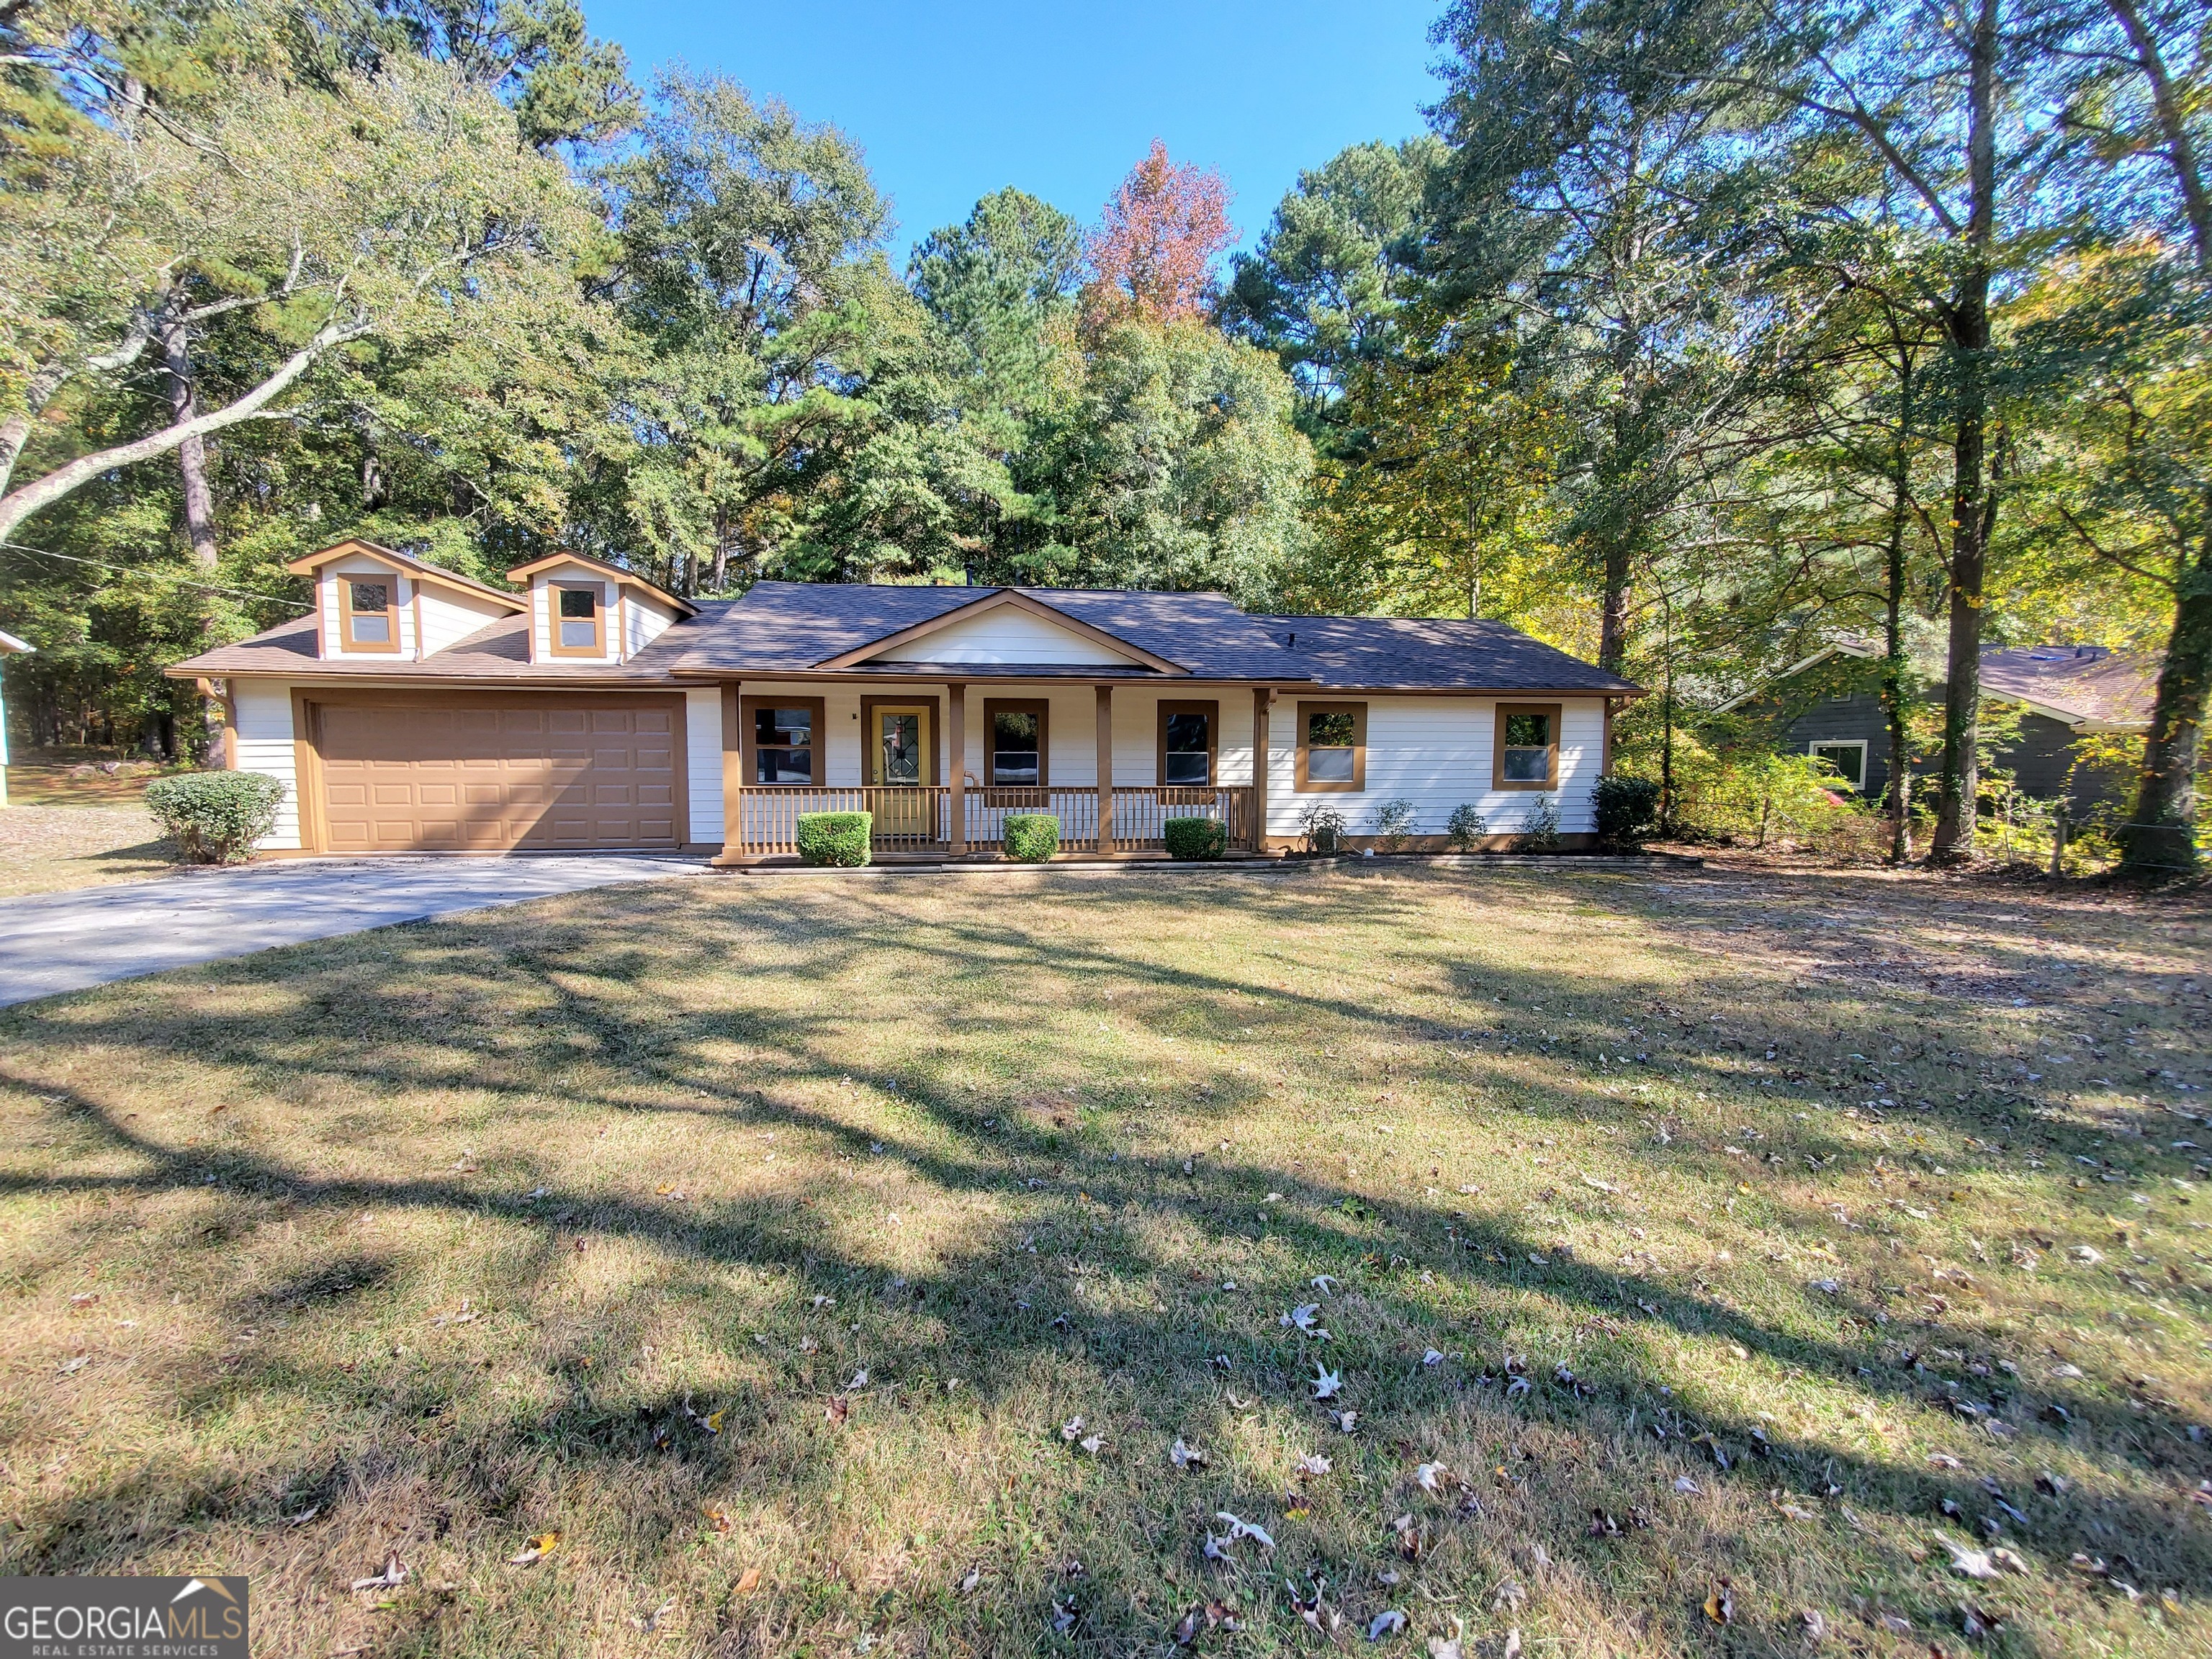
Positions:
{"x": 1848, "y": 755}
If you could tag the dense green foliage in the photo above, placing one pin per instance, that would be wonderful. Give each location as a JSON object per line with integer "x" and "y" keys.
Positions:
{"x": 1194, "y": 838}
{"x": 843, "y": 838}
{"x": 215, "y": 817}
{"x": 1693, "y": 336}
{"x": 1626, "y": 808}
{"x": 1030, "y": 837}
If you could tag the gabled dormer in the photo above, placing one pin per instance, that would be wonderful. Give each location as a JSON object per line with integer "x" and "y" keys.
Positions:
{"x": 587, "y": 611}
{"x": 371, "y": 602}
{"x": 1006, "y": 629}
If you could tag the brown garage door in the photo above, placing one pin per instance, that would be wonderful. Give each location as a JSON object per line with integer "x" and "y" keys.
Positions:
{"x": 472, "y": 773}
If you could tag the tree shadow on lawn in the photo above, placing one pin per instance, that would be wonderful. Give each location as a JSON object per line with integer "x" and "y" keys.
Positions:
{"x": 1559, "y": 1448}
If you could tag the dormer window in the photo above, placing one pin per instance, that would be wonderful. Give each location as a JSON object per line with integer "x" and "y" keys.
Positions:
{"x": 369, "y": 614}
{"x": 579, "y": 623}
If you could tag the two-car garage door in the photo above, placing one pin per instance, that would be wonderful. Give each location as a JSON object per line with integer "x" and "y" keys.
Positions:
{"x": 487, "y": 772}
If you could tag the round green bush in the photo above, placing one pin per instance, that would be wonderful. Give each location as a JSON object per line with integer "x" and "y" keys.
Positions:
{"x": 215, "y": 817}
{"x": 1627, "y": 810}
{"x": 1031, "y": 838}
{"x": 1195, "y": 838}
{"x": 841, "y": 839}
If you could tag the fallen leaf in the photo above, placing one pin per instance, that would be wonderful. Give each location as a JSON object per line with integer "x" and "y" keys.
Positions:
{"x": 394, "y": 1574}
{"x": 838, "y": 1409}
{"x": 1241, "y": 1530}
{"x": 1426, "y": 1476}
{"x": 1326, "y": 1383}
{"x": 1720, "y": 1606}
{"x": 1443, "y": 1648}
{"x": 1185, "y": 1457}
{"x": 1387, "y": 1623}
{"x": 1314, "y": 1464}
{"x": 973, "y": 1577}
{"x": 536, "y": 1550}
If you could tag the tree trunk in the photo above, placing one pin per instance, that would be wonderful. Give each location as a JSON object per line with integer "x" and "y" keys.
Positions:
{"x": 191, "y": 454}
{"x": 1966, "y": 329}
{"x": 721, "y": 576}
{"x": 2163, "y": 838}
{"x": 1612, "y": 627}
{"x": 1895, "y": 668}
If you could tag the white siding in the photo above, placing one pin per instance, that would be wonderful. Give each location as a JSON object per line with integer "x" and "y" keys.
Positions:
{"x": 1137, "y": 731}
{"x": 333, "y": 619}
{"x": 703, "y": 760}
{"x": 644, "y": 619}
{"x": 1007, "y": 634}
{"x": 264, "y": 744}
{"x": 448, "y": 615}
{"x": 541, "y": 613}
{"x": 1436, "y": 752}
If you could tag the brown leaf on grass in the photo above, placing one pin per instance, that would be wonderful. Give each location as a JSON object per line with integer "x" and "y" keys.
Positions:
{"x": 720, "y": 1518}
{"x": 1720, "y": 1605}
{"x": 838, "y": 1409}
{"x": 748, "y": 1580}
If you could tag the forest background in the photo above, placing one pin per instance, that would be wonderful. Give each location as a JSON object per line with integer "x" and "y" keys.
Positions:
{"x": 1689, "y": 334}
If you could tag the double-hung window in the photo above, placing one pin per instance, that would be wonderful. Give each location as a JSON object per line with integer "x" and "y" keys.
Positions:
{"x": 1332, "y": 755}
{"x": 1015, "y": 735}
{"x": 369, "y": 613}
{"x": 1188, "y": 744}
{"x": 1527, "y": 746}
{"x": 785, "y": 736}
{"x": 579, "y": 621}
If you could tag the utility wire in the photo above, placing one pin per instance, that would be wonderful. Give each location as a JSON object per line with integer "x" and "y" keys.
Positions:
{"x": 141, "y": 570}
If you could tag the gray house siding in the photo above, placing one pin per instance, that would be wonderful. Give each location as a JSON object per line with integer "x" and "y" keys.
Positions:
{"x": 1851, "y": 717}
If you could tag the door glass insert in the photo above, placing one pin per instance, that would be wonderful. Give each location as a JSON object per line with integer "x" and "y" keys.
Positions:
{"x": 901, "y": 746}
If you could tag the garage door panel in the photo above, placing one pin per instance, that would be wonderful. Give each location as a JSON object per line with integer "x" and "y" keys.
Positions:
{"x": 496, "y": 776}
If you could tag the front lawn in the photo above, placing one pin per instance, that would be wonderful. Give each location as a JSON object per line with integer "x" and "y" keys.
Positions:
{"x": 1722, "y": 1263}
{"x": 46, "y": 849}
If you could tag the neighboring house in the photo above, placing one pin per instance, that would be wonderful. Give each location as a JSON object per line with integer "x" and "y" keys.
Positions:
{"x": 10, "y": 647}
{"x": 417, "y": 710}
{"x": 1829, "y": 705}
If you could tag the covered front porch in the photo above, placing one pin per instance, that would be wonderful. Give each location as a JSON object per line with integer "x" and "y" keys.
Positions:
{"x": 941, "y": 767}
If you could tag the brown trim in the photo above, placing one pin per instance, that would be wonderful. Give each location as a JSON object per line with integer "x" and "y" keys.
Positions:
{"x": 1306, "y": 785}
{"x": 347, "y": 613}
{"x": 1497, "y": 779}
{"x": 598, "y": 650}
{"x": 1261, "y": 752}
{"x": 1605, "y": 747}
{"x": 308, "y": 773}
{"x": 734, "y": 767}
{"x": 992, "y": 707}
{"x": 1210, "y": 708}
{"x": 435, "y": 575}
{"x": 868, "y": 707}
{"x": 308, "y": 736}
{"x": 955, "y": 720}
{"x": 746, "y": 767}
{"x": 415, "y": 598}
{"x": 1105, "y": 779}
{"x": 1003, "y": 597}
{"x": 611, "y": 572}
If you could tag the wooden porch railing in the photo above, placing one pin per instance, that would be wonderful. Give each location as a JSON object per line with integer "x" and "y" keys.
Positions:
{"x": 919, "y": 819}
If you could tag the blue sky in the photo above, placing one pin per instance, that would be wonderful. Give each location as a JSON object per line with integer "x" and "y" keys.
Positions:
{"x": 953, "y": 101}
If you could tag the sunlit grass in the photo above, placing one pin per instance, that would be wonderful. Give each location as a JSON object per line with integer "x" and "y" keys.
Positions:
{"x": 587, "y": 1219}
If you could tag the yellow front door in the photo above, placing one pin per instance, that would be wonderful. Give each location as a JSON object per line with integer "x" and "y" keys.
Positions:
{"x": 900, "y": 758}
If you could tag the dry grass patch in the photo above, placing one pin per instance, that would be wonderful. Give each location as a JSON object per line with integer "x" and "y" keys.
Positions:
{"x": 1681, "y": 1245}
{"x": 46, "y": 849}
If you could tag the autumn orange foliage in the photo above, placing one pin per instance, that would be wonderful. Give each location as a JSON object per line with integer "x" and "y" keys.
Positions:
{"x": 1153, "y": 253}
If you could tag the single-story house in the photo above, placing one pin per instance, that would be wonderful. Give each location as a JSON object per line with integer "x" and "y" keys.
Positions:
{"x": 10, "y": 647}
{"x": 418, "y": 710}
{"x": 1829, "y": 705}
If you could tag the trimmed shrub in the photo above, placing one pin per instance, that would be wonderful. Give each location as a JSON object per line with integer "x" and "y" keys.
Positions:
{"x": 1031, "y": 838}
{"x": 1627, "y": 810}
{"x": 1195, "y": 838}
{"x": 1540, "y": 830}
{"x": 1466, "y": 826}
{"x": 836, "y": 838}
{"x": 215, "y": 817}
{"x": 1394, "y": 823}
{"x": 1324, "y": 830}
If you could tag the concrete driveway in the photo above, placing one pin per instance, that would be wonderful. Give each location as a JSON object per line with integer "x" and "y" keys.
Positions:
{"x": 58, "y": 942}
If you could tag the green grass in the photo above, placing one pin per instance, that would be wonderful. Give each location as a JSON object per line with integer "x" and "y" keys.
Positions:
{"x": 435, "y": 1240}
